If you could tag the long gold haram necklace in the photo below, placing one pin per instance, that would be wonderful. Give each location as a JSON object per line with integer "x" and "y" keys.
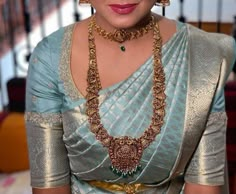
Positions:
{"x": 121, "y": 35}
{"x": 125, "y": 152}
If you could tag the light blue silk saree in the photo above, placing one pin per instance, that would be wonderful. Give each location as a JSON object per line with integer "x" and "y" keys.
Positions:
{"x": 64, "y": 151}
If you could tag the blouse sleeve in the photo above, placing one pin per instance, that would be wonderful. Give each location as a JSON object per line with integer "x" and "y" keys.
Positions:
{"x": 48, "y": 156}
{"x": 207, "y": 166}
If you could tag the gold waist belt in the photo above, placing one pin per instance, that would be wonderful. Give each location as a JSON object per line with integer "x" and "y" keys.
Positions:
{"x": 127, "y": 188}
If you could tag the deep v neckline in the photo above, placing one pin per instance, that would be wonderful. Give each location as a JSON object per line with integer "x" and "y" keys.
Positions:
{"x": 65, "y": 64}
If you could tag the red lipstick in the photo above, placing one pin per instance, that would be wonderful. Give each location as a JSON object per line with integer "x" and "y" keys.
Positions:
{"x": 123, "y": 8}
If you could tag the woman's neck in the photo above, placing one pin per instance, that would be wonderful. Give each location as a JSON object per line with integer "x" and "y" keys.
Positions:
{"x": 103, "y": 23}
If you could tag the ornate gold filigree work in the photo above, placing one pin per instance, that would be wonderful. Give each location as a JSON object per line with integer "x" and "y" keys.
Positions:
{"x": 121, "y": 35}
{"x": 125, "y": 152}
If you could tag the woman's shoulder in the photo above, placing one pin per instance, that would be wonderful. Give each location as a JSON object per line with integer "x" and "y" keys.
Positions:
{"x": 47, "y": 53}
{"x": 51, "y": 46}
{"x": 210, "y": 50}
{"x": 54, "y": 40}
{"x": 168, "y": 27}
{"x": 215, "y": 44}
{"x": 219, "y": 40}
{"x": 64, "y": 34}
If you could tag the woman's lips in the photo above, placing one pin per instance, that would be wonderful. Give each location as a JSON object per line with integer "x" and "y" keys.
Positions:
{"x": 123, "y": 8}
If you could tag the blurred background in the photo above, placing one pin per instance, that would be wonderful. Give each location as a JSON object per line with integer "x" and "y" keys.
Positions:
{"x": 23, "y": 23}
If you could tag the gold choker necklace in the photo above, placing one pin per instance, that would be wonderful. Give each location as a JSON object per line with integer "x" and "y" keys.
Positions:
{"x": 125, "y": 152}
{"x": 122, "y": 35}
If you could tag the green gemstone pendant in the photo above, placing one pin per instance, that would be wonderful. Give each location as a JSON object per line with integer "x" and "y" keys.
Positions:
{"x": 122, "y": 48}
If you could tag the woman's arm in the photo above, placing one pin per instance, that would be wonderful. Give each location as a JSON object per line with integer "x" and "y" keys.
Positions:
{"x": 201, "y": 189}
{"x": 49, "y": 163}
{"x": 60, "y": 190}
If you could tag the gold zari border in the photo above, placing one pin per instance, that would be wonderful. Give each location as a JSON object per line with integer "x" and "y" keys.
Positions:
{"x": 43, "y": 118}
{"x": 64, "y": 65}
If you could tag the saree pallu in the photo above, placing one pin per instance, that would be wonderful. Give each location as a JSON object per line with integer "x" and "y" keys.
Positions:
{"x": 63, "y": 150}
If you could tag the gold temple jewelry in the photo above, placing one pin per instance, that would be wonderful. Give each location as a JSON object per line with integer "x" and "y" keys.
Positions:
{"x": 125, "y": 152}
{"x": 122, "y": 35}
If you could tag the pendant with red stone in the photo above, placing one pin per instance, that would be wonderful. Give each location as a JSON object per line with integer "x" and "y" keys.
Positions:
{"x": 125, "y": 154}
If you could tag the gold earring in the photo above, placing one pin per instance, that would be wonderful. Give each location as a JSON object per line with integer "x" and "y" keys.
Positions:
{"x": 84, "y": 2}
{"x": 163, "y": 3}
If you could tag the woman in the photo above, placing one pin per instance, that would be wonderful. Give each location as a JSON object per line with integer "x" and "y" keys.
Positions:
{"x": 127, "y": 101}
